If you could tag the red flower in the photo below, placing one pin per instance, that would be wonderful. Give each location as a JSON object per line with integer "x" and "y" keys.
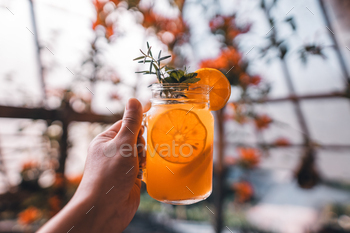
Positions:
{"x": 244, "y": 80}
{"x": 249, "y": 157}
{"x": 262, "y": 121}
{"x": 29, "y": 215}
{"x": 227, "y": 58}
{"x": 255, "y": 80}
{"x": 243, "y": 191}
{"x": 109, "y": 31}
{"x": 30, "y": 165}
{"x": 75, "y": 180}
{"x": 59, "y": 180}
{"x": 281, "y": 142}
{"x": 55, "y": 205}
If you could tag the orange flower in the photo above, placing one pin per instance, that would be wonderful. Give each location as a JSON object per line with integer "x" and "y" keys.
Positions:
{"x": 243, "y": 191}
{"x": 281, "y": 142}
{"x": 101, "y": 15}
{"x": 255, "y": 80}
{"x": 248, "y": 157}
{"x": 29, "y": 215}
{"x": 109, "y": 31}
{"x": 244, "y": 80}
{"x": 59, "y": 180}
{"x": 262, "y": 121}
{"x": 75, "y": 180}
{"x": 227, "y": 58}
{"x": 55, "y": 205}
{"x": 30, "y": 165}
{"x": 228, "y": 25}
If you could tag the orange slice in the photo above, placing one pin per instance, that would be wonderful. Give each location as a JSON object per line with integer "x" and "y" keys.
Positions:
{"x": 219, "y": 86}
{"x": 178, "y": 136}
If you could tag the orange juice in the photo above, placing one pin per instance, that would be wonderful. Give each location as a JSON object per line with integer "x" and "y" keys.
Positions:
{"x": 180, "y": 132}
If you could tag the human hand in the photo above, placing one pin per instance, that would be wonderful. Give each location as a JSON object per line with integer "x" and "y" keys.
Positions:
{"x": 109, "y": 193}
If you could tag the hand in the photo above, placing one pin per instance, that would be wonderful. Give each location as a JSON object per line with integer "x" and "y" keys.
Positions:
{"x": 109, "y": 193}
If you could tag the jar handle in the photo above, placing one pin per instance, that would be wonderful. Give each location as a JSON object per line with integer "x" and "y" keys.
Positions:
{"x": 142, "y": 169}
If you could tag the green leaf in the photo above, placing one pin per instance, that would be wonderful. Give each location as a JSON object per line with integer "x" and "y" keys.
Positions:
{"x": 150, "y": 67}
{"x": 168, "y": 68}
{"x": 163, "y": 58}
{"x": 138, "y": 58}
{"x": 177, "y": 74}
{"x": 145, "y": 61}
{"x": 147, "y": 72}
{"x": 149, "y": 52}
{"x": 190, "y": 75}
{"x": 160, "y": 52}
{"x": 170, "y": 80}
{"x": 155, "y": 67}
{"x": 191, "y": 80}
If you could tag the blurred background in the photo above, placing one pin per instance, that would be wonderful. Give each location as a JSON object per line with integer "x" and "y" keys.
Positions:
{"x": 282, "y": 143}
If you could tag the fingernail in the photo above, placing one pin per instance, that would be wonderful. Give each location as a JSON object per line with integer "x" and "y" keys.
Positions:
{"x": 132, "y": 104}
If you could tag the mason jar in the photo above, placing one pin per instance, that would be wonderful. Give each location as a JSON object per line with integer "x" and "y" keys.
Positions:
{"x": 180, "y": 133}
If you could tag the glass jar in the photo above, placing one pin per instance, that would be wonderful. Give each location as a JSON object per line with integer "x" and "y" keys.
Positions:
{"x": 180, "y": 133}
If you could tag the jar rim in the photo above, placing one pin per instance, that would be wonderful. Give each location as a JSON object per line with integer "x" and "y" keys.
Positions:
{"x": 192, "y": 86}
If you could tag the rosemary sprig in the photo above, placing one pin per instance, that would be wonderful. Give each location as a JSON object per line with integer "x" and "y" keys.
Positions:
{"x": 164, "y": 73}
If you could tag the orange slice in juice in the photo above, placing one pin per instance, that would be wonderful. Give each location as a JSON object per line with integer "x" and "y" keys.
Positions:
{"x": 219, "y": 87}
{"x": 178, "y": 136}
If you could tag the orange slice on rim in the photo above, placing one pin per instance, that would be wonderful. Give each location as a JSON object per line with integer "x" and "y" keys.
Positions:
{"x": 219, "y": 87}
{"x": 178, "y": 136}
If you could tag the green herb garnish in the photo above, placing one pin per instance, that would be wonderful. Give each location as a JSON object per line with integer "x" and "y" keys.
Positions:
{"x": 164, "y": 73}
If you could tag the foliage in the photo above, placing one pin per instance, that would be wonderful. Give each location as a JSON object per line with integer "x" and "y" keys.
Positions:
{"x": 170, "y": 75}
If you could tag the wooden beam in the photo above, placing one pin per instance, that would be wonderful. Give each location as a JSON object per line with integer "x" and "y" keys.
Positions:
{"x": 297, "y": 97}
{"x": 66, "y": 114}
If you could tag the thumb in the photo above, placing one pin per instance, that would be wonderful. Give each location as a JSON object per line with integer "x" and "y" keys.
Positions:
{"x": 132, "y": 119}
